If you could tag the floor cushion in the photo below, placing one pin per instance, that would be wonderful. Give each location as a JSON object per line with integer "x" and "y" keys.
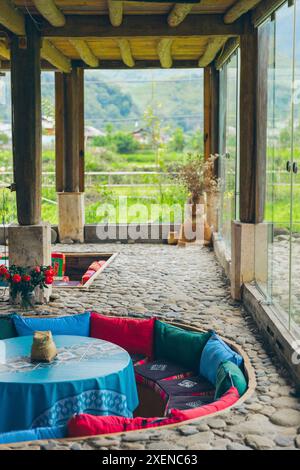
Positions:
{"x": 150, "y": 372}
{"x": 214, "y": 353}
{"x": 227, "y": 400}
{"x": 36, "y": 434}
{"x": 89, "y": 425}
{"x": 188, "y": 402}
{"x": 75, "y": 325}
{"x": 7, "y": 327}
{"x": 134, "y": 335}
{"x": 178, "y": 345}
{"x": 186, "y": 387}
{"x": 228, "y": 375}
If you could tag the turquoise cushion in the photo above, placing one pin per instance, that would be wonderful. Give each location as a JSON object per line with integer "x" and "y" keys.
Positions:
{"x": 37, "y": 434}
{"x": 178, "y": 345}
{"x": 75, "y": 325}
{"x": 7, "y": 327}
{"x": 214, "y": 353}
{"x": 229, "y": 374}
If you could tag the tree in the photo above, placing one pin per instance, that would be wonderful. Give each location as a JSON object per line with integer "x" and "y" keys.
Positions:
{"x": 178, "y": 140}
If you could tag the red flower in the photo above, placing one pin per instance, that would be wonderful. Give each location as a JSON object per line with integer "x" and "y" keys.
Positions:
{"x": 26, "y": 278}
{"x": 3, "y": 270}
{"x": 7, "y": 275}
{"x": 37, "y": 269}
{"x": 16, "y": 278}
{"x": 49, "y": 272}
{"x": 49, "y": 280}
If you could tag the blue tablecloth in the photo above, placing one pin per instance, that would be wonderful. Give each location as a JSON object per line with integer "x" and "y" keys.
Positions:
{"x": 89, "y": 375}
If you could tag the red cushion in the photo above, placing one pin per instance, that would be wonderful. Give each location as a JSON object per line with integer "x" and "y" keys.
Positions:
{"x": 136, "y": 336}
{"x": 228, "y": 399}
{"x": 90, "y": 425}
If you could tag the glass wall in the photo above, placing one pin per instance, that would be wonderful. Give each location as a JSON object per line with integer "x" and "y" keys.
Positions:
{"x": 229, "y": 147}
{"x": 282, "y": 213}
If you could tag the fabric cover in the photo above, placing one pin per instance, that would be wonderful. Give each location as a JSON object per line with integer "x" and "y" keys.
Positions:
{"x": 215, "y": 352}
{"x": 89, "y": 425}
{"x": 179, "y": 346}
{"x": 227, "y": 400}
{"x": 188, "y": 402}
{"x": 150, "y": 372}
{"x": 230, "y": 374}
{"x": 74, "y": 325}
{"x": 134, "y": 335}
{"x": 56, "y": 432}
{"x": 187, "y": 386}
{"x": 7, "y": 327}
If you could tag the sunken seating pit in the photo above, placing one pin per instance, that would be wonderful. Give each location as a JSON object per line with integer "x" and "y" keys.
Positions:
{"x": 182, "y": 373}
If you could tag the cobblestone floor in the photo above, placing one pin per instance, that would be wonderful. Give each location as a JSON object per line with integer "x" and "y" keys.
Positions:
{"x": 188, "y": 285}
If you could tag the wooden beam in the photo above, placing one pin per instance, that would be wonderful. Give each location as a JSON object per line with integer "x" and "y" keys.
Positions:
{"x": 126, "y": 54}
{"x": 164, "y": 52}
{"x": 178, "y": 13}
{"x": 12, "y": 18}
{"x": 264, "y": 10}
{"x": 230, "y": 47}
{"x": 238, "y": 9}
{"x": 117, "y": 64}
{"x": 85, "y": 52}
{"x": 55, "y": 57}
{"x": 95, "y": 26}
{"x": 49, "y": 10}
{"x": 4, "y": 50}
{"x": 27, "y": 125}
{"x": 115, "y": 11}
{"x": 253, "y": 124}
{"x": 212, "y": 49}
{"x": 211, "y": 112}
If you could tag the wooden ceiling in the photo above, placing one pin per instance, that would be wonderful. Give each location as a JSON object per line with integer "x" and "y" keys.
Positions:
{"x": 100, "y": 7}
{"x": 95, "y": 32}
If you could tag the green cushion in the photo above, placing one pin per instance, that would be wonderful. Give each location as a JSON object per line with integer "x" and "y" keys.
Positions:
{"x": 7, "y": 327}
{"x": 225, "y": 371}
{"x": 179, "y": 346}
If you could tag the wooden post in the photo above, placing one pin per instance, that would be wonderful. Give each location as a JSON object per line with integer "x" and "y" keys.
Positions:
{"x": 253, "y": 124}
{"x": 59, "y": 131}
{"x": 26, "y": 124}
{"x": 211, "y": 111}
{"x": 81, "y": 129}
{"x": 70, "y": 154}
{"x": 69, "y": 131}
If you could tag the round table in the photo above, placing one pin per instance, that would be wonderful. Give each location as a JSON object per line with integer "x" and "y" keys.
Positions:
{"x": 89, "y": 375}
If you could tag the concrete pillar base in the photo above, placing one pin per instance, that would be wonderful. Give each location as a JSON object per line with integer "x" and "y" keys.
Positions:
{"x": 71, "y": 217}
{"x": 249, "y": 259}
{"x": 29, "y": 246}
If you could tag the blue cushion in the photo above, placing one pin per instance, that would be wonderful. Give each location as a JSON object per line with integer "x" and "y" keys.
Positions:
{"x": 37, "y": 434}
{"x": 215, "y": 353}
{"x": 75, "y": 325}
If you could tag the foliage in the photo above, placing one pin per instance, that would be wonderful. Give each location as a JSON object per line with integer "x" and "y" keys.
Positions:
{"x": 177, "y": 142}
{"x": 4, "y": 139}
{"x": 120, "y": 142}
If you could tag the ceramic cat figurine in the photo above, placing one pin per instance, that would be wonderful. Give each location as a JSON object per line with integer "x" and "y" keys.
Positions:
{"x": 43, "y": 347}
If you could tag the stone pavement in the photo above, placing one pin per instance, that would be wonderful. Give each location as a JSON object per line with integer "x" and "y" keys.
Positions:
{"x": 186, "y": 285}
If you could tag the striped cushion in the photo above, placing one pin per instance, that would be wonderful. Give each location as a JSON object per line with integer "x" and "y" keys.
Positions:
{"x": 186, "y": 387}
{"x": 188, "y": 402}
{"x": 150, "y": 372}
